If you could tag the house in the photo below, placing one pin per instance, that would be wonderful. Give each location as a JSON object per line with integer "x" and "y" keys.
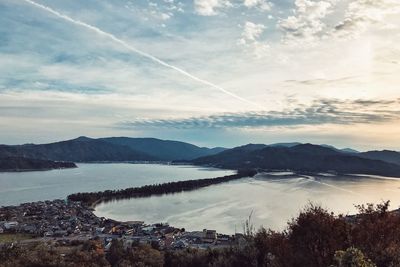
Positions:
{"x": 48, "y": 234}
{"x": 107, "y": 246}
{"x": 169, "y": 239}
{"x": 60, "y": 233}
{"x": 10, "y": 225}
{"x": 99, "y": 230}
{"x": 30, "y": 229}
{"x": 209, "y": 236}
{"x": 180, "y": 244}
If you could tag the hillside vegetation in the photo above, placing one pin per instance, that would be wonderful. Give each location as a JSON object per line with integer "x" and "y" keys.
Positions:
{"x": 300, "y": 158}
{"x": 15, "y": 164}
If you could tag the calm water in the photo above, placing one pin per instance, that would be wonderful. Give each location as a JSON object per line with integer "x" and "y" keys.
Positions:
{"x": 272, "y": 200}
{"x": 16, "y": 188}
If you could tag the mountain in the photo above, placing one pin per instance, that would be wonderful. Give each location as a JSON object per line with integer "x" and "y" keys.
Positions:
{"x": 384, "y": 155}
{"x": 113, "y": 149}
{"x": 292, "y": 144}
{"x": 303, "y": 158}
{"x": 82, "y": 149}
{"x": 26, "y": 164}
{"x": 164, "y": 149}
{"x": 349, "y": 150}
{"x": 248, "y": 147}
{"x": 344, "y": 150}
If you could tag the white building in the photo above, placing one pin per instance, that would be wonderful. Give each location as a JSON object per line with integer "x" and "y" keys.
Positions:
{"x": 10, "y": 225}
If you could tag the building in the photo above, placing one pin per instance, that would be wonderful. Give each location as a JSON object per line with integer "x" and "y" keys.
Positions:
{"x": 209, "y": 236}
{"x": 10, "y": 225}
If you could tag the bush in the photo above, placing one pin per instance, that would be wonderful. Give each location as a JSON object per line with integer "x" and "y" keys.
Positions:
{"x": 352, "y": 257}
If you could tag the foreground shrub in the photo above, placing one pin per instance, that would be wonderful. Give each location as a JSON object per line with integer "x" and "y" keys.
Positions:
{"x": 376, "y": 231}
{"x": 352, "y": 257}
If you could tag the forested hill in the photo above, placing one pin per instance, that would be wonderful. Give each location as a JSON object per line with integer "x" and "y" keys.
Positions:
{"x": 385, "y": 155}
{"x": 77, "y": 150}
{"x": 113, "y": 149}
{"x": 17, "y": 164}
{"x": 281, "y": 156}
{"x": 303, "y": 158}
{"x": 164, "y": 149}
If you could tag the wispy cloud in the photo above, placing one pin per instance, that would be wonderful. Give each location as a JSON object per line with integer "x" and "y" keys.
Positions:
{"x": 323, "y": 111}
{"x": 142, "y": 53}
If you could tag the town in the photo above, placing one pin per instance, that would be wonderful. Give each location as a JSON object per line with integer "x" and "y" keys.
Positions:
{"x": 67, "y": 221}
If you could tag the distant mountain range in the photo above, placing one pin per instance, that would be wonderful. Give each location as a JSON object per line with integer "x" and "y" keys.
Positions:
{"x": 346, "y": 150}
{"x": 384, "y": 155}
{"x": 304, "y": 158}
{"x": 113, "y": 149}
{"x": 165, "y": 150}
{"x": 280, "y": 156}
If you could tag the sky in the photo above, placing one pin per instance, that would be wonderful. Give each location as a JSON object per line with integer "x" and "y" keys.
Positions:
{"x": 209, "y": 72}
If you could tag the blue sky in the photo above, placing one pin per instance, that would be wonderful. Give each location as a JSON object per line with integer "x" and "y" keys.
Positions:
{"x": 211, "y": 72}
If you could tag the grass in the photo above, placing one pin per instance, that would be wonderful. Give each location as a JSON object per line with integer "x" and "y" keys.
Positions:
{"x": 8, "y": 238}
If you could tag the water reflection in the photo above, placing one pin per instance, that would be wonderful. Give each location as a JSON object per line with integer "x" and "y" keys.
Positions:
{"x": 16, "y": 188}
{"x": 274, "y": 199}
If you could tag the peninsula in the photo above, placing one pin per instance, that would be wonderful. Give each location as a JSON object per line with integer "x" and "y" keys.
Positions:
{"x": 20, "y": 164}
{"x": 93, "y": 198}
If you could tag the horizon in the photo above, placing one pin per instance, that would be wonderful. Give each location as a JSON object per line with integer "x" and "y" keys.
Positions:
{"x": 210, "y": 73}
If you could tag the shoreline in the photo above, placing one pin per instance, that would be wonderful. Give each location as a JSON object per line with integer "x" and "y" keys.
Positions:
{"x": 36, "y": 170}
{"x": 69, "y": 221}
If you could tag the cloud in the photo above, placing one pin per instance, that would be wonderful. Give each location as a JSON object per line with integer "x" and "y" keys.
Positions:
{"x": 323, "y": 82}
{"x": 250, "y": 38}
{"x": 318, "y": 20}
{"x": 209, "y": 7}
{"x": 252, "y": 31}
{"x": 323, "y": 111}
{"x": 308, "y": 19}
{"x": 40, "y": 55}
{"x": 164, "y": 10}
{"x": 360, "y": 14}
{"x": 260, "y": 4}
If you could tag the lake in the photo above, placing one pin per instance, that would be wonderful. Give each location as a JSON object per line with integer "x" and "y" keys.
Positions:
{"x": 272, "y": 199}
{"x": 20, "y": 187}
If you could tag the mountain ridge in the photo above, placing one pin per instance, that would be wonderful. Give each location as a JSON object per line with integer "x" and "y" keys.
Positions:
{"x": 111, "y": 149}
{"x": 280, "y": 156}
{"x": 167, "y": 150}
{"x": 302, "y": 158}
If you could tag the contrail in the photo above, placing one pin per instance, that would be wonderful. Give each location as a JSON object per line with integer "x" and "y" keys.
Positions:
{"x": 144, "y": 54}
